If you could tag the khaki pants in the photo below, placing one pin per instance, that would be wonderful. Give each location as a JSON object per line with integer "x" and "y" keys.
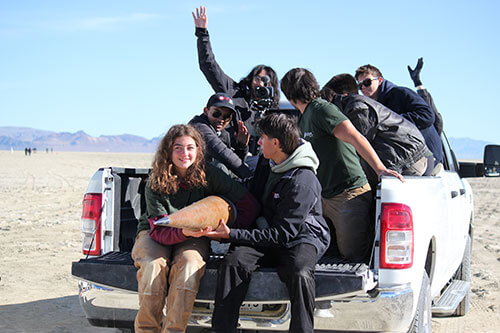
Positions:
{"x": 187, "y": 265}
{"x": 349, "y": 212}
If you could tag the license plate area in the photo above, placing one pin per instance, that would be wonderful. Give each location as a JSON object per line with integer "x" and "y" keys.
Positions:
{"x": 245, "y": 307}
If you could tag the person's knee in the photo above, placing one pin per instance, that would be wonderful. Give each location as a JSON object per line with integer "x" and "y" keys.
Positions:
{"x": 186, "y": 271}
{"x": 152, "y": 276}
{"x": 189, "y": 258}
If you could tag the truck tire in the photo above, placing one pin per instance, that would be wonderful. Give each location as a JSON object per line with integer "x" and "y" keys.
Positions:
{"x": 463, "y": 273}
{"x": 422, "y": 322}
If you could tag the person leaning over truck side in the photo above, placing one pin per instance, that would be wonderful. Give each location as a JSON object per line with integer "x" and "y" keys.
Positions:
{"x": 425, "y": 94}
{"x": 403, "y": 101}
{"x": 179, "y": 177}
{"x": 292, "y": 233}
{"x": 397, "y": 142}
{"x": 346, "y": 194}
{"x": 211, "y": 124}
{"x": 243, "y": 92}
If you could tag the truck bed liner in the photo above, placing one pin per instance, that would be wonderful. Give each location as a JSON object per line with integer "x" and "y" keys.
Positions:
{"x": 116, "y": 269}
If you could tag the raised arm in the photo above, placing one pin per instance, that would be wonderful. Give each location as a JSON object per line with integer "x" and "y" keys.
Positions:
{"x": 215, "y": 76}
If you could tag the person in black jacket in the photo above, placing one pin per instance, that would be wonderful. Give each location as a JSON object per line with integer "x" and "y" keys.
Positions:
{"x": 222, "y": 151}
{"x": 404, "y": 101}
{"x": 250, "y": 105}
{"x": 425, "y": 94}
{"x": 291, "y": 235}
{"x": 396, "y": 140}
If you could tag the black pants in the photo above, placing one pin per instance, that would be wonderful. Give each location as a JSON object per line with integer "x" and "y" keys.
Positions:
{"x": 295, "y": 267}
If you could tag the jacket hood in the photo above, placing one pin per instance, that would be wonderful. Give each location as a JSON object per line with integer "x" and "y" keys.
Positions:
{"x": 303, "y": 156}
{"x": 385, "y": 87}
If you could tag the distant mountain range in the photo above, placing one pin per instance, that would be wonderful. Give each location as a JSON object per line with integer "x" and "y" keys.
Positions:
{"x": 19, "y": 138}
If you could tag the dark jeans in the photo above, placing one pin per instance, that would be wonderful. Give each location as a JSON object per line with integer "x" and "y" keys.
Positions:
{"x": 295, "y": 267}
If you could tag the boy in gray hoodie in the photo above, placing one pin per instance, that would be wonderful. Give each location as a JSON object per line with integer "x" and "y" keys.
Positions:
{"x": 291, "y": 234}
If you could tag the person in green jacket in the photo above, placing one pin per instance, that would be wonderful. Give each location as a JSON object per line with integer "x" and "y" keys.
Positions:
{"x": 179, "y": 177}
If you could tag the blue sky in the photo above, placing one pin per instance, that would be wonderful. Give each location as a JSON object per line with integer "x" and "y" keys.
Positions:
{"x": 114, "y": 67}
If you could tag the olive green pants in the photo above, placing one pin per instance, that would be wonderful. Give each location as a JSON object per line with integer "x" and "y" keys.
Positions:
{"x": 349, "y": 212}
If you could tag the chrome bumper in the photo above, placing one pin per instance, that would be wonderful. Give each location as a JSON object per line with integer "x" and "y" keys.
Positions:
{"x": 388, "y": 310}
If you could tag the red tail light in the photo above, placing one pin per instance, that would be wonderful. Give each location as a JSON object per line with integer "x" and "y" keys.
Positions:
{"x": 396, "y": 238}
{"x": 91, "y": 224}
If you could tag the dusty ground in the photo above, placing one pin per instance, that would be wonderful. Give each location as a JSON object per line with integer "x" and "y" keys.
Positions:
{"x": 40, "y": 200}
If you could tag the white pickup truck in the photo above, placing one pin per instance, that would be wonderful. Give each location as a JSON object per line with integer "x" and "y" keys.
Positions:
{"x": 419, "y": 267}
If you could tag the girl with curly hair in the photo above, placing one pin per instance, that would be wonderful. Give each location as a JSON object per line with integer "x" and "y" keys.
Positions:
{"x": 179, "y": 177}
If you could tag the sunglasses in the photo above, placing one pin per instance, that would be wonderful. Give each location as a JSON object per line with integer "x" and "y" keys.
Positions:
{"x": 367, "y": 82}
{"x": 218, "y": 114}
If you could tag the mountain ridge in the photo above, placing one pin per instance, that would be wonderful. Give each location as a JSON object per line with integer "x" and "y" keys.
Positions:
{"x": 19, "y": 138}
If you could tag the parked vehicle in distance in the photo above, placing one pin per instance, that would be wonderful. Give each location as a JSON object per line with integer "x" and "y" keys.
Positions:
{"x": 419, "y": 267}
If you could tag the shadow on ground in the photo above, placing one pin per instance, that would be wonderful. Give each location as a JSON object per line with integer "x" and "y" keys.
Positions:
{"x": 57, "y": 315}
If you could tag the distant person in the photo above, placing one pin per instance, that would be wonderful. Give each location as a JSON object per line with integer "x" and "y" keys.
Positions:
{"x": 397, "y": 142}
{"x": 403, "y": 101}
{"x": 346, "y": 194}
{"x": 179, "y": 177}
{"x": 425, "y": 94}
{"x": 251, "y": 101}
{"x": 292, "y": 235}
{"x": 25, "y": 151}
{"x": 222, "y": 150}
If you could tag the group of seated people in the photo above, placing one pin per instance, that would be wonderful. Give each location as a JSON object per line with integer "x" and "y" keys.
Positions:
{"x": 301, "y": 186}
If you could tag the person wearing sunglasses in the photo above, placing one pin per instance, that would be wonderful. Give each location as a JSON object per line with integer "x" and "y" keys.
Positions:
{"x": 224, "y": 150}
{"x": 403, "y": 101}
{"x": 243, "y": 92}
{"x": 396, "y": 140}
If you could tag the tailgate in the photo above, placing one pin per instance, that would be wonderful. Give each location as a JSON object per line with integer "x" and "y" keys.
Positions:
{"x": 116, "y": 269}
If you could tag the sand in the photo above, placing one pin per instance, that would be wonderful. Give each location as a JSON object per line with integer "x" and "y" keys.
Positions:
{"x": 40, "y": 198}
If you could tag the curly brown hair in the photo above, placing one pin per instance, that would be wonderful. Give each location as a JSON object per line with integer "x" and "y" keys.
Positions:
{"x": 162, "y": 177}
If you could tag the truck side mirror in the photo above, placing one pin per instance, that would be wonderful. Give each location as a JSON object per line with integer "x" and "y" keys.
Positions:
{"x": 491, "y": 160}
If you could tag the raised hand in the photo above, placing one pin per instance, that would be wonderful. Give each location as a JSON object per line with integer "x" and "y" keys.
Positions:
{"x": 242, "y": 136}
{"x": 415, "y": 73}
{"x": 200, "y": 18}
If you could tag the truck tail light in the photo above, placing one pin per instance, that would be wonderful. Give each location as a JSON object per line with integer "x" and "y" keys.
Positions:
{"x": 91, "y": 224}
{"x": 396, "y": 238}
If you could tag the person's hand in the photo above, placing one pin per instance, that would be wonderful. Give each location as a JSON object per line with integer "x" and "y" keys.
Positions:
{"x": 200, "y": 18}
{"x": 196, "y": 233}
{"x": 415, "y": 73}
{"x": 242, "y": 136}
{"x": 222, "y": 231}
{"x": 392, "y": 173}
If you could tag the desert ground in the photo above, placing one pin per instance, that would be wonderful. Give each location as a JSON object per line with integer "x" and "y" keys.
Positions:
{"x": 40, "y": 200}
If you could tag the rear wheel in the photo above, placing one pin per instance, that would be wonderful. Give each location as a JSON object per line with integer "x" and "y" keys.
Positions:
{"x": 463, "y": 273}
{"x": 422, "y": 322}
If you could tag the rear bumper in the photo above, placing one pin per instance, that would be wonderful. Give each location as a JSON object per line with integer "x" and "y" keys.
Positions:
{"x": 387, "y": 310}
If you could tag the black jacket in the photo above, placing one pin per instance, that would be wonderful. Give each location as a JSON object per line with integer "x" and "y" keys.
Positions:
{"x": 292, "y": 209}
{"x": 396, "y": 140}
{"x": 219, "y": 147}
{"x": 220, "y": 82}
{"x": 407, "y": 103}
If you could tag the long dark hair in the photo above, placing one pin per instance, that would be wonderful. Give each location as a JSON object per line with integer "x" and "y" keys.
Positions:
{"x": 246, "y": 82}
{"x": 162, "y": 177}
